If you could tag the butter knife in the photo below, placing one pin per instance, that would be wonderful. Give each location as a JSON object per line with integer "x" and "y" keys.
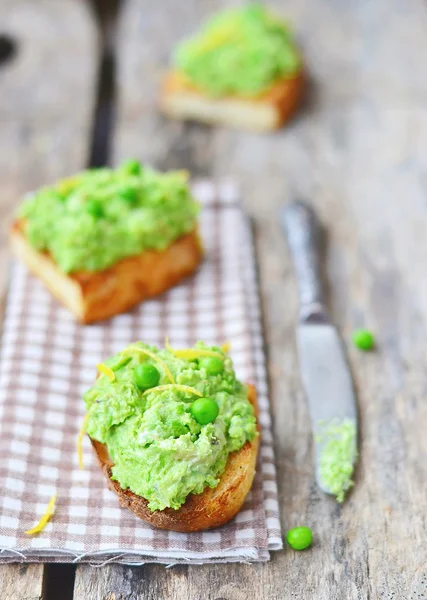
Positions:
{"x": 324, "y": 369}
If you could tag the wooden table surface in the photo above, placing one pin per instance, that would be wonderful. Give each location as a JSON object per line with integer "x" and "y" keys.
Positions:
{"x": 358, "y": 152}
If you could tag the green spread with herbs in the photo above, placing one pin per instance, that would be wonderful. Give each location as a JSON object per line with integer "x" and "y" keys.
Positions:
{"x": 153, "y": 419}
{"x": 337, "y": 455}
{"x": 239, "y": 51}
{"x": 94, "y": 219}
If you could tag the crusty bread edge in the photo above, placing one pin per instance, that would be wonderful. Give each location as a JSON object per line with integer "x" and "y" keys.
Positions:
{"x": 100, "y": 295}
{"x": 265, "y": 112}
{"x": 212, "y": 508}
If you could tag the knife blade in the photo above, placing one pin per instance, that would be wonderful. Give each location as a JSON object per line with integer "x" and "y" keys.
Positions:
{"x": 324, "y": 369}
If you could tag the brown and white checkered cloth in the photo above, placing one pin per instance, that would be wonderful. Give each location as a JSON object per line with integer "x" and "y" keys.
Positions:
{"x": 48, "y": 361}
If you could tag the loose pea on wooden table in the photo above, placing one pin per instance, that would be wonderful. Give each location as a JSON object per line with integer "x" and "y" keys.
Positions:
{"x": 357, "y": 150}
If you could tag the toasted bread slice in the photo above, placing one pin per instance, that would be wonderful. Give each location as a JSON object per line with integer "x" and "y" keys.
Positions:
{"x": 95, "y": 296}
{"x": 212, "y": 508}
{"x": 266, "y": 112}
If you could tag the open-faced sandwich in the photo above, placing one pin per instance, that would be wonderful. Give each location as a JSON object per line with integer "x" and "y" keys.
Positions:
{"x": 175, "y": 434}
{"x": 243, "y": 69}
{"x": 106, "y": 239}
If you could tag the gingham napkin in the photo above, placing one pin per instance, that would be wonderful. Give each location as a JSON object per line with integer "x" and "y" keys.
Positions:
{"x": 48, "y": 361}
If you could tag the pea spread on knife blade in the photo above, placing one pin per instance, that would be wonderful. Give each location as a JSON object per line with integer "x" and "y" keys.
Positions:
{"x": 100, "y": 216}
{"x": 240, "y": 51}
{"x": 337, "y": 456}
{"x": 169, "y": 419}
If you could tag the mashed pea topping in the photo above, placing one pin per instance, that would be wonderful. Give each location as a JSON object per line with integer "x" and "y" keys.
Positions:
{"x": 337, "y": 456}
{"x": 94, "y": 219}
{"x": 160, "y": 451}
{"x": 239, "y": 51}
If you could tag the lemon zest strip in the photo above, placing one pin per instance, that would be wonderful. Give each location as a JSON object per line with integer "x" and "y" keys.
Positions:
{"x": 191, "y": 353}
{"x": 156, "y": 359}
{"x": 107, "y": 371}
{"x": 65, "y": 186}
{"x": 184, "y": 173}
{"x": 50, "y": 509}
{"x": 176, "y": 386}
{"x": 80, "y": 441}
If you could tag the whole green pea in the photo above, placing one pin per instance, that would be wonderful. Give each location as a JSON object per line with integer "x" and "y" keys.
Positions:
{"x": 363, "y": 339}
{"x": 130, "y": 194}
{"x": 299, "y": 538}
{"x": 204, "y": 410}
{"x": 131, "y": 167}
{"x": 94, "y": 207}
{"x": 146, "y": 376}
{"x": 212, "y": 365}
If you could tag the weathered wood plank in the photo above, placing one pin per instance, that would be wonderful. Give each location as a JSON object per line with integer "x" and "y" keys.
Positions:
{"x": 358, "y": 152}
{"x": 21, "y": 582}
{"x": 45, "y": 111}
{"x": 46, "y": 97}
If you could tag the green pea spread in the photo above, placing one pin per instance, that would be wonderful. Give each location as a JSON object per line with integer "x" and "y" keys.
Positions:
{"x": 159, "y": 450}
{"x": 336, "y": 463}
{"x": 240, "y": 51}
{"x": 94, "y": 219}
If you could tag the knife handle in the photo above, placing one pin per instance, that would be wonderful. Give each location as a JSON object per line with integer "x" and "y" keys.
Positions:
{"x": 302, "y": 230}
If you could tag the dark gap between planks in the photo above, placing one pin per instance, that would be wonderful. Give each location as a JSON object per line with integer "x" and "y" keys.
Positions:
{"x": 104, "y": 112}
{"x": 8, "y": 49}
{"x": 58, "y": 579}
{"x": 106, "y": 13}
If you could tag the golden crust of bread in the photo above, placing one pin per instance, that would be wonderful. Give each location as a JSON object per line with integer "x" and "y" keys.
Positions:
{"x": 95, "y": 296}
{"x": 265, "y": 112}
{"x": 212, "y": 508}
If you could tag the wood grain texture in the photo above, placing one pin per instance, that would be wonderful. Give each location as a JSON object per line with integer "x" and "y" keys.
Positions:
{"x": 358, "y": 152}
{"x": 21, "y": 582}
{"x": 45, "y": 109}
